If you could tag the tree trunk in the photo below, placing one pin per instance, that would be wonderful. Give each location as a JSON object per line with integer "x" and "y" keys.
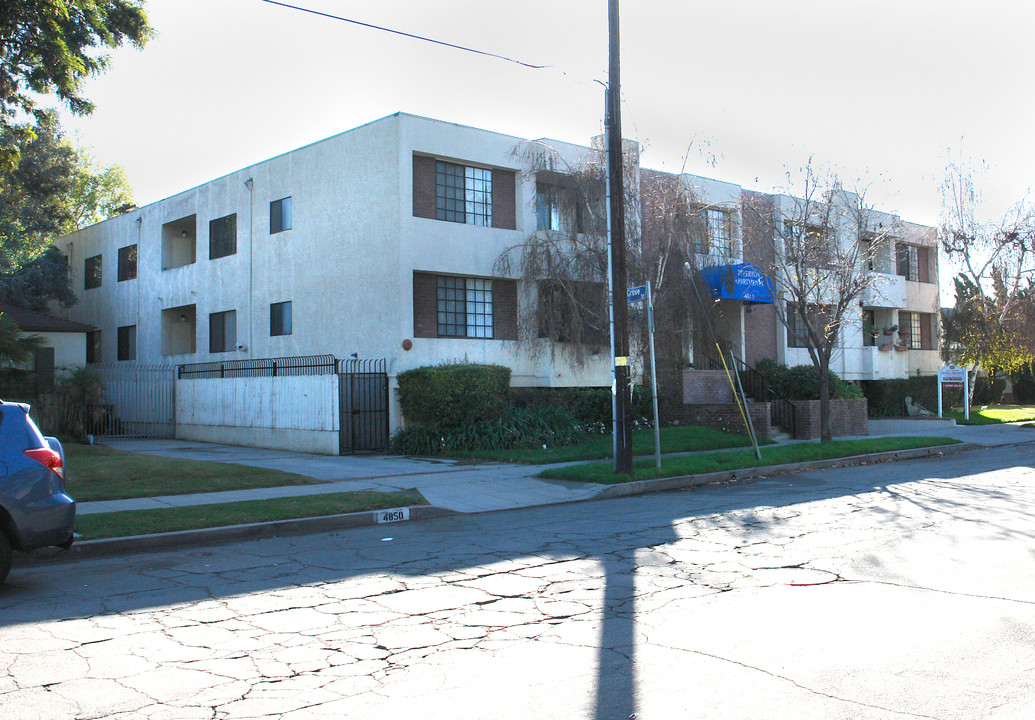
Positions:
{"x": 825, "y": 430}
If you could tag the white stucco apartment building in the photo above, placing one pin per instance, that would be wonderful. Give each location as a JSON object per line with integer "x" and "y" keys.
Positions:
{"x": 382, "y": 242}
{"x": 379, "y": 242}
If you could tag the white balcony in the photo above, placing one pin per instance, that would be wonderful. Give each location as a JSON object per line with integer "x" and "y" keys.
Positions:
{"x": 886, "y": 291}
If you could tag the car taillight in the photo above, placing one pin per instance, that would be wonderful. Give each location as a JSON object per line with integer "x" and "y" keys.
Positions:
{"x": 46, "y": 456}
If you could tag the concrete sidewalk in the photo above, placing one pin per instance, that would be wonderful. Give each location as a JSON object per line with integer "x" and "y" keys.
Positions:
{"x": 447, "y": 484}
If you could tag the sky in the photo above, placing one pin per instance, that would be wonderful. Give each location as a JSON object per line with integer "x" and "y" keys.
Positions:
{"x": 883, "y": 92}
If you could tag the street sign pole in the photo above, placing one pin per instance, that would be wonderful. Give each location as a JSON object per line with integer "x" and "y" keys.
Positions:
{"x": 653, "y": 379}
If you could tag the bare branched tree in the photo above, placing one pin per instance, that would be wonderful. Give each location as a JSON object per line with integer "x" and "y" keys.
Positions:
{"x": 822, "y": 249}
{"x": 996, "y": 261}
{"x": 564, "y": 262}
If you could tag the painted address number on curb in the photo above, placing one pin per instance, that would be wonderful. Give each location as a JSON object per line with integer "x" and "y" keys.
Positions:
{"x": 393, "y": 515}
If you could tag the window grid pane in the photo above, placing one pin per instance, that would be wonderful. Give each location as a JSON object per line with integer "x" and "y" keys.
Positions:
{"x": 449, "y": 192}
{"x": 718, "y": 229}
{"x": 479, "y": 308}
{"x": 452, "y": 321}
{"x": 915, "y": 340}
{"x": 478, "y": 183}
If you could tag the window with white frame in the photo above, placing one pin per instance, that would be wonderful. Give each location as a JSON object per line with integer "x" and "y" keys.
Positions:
{"x": 464, "y": 307}
{"x": 463, "y": 194}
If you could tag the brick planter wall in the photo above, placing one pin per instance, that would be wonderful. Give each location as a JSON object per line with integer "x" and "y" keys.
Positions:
{"x": 720, "y": 416}
{"x": 706, "y": 387}
{"x": 847, "y": 417}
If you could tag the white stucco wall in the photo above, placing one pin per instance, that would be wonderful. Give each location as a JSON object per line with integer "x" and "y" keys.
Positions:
{"x": 292, "y": 413}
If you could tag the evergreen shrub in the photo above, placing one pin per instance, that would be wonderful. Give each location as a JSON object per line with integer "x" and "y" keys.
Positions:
{"x": 447, "y": 396}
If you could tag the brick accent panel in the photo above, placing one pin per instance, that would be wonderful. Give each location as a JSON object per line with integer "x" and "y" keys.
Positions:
{"x": 706, "y": 387}
{"x": 425, "y": 305}
{"x": 504, "y": 199}
{"x": 504, "y": 309}
{"x": 720, "y": 416}
{"x": 847, "y": 417}
{"x": 424, "y": 187}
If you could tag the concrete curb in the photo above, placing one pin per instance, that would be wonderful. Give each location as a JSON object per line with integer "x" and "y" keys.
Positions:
{"x": 327, "y": 523}
{"x": 639, "y": 487}
{"x": 229, "y": 533}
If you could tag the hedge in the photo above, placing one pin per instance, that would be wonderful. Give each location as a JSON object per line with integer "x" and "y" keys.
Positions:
{"x": 447, "y": 396}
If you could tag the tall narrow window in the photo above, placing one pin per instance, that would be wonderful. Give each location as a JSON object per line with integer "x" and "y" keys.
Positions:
{"x": 128, "y": 263}
{"x": 93, "y": 346}
{"x": 222, "y": 237}
{"x": 280, "y": 318}
{"x": 797, "y": 334}
{"x": 280, "y": 215}
{"x": 547, "y": 207}
{"x": 222, "y": 331}
{"x": 127, "y": 337}
{"x": 92, "y": 273}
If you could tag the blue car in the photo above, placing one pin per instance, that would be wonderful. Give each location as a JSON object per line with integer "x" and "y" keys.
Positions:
{"x": 35, "y": 510}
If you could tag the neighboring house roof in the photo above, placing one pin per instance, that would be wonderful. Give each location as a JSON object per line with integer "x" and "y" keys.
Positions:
{"x": 29, "y": 321}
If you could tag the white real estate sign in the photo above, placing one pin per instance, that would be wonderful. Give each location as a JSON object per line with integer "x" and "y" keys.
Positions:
{"x": 952, "y": 377}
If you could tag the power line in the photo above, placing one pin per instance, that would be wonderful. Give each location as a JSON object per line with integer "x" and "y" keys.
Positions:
{"x": 409, "y": 35}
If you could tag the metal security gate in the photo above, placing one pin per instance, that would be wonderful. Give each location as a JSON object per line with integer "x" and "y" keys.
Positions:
{"x": 363, "y": 404}
{"x": 137, "y": 401}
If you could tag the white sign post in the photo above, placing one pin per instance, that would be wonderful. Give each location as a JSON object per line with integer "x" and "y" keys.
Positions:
{"x": 953, "y": 377}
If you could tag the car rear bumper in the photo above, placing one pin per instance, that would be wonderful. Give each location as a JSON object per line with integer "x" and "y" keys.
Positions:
{"x": 47, "y": 522}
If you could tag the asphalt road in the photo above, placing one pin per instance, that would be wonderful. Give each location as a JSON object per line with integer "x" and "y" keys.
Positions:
{"x": 899, "y": 590}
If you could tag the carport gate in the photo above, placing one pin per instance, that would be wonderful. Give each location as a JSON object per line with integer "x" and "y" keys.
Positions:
{"x": 363, "y": 404}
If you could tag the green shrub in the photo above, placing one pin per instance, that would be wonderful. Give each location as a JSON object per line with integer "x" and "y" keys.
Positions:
{"x": 590, "y": 406}
{"x": 988, "y": 391}
{"x": 525, "y": 427}
{"x": 1024, "y": 386}
{"x": 447, "y": 396}
{"x": 886, "y": 398}
{"x": 585, "y": 404}
{"x": 801, "y": 382}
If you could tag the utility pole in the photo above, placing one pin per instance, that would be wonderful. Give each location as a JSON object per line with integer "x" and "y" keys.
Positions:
{"x": 620, "y": 302}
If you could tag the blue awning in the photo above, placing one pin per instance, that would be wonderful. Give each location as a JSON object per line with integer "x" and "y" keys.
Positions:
{"x": 745, "y": 282}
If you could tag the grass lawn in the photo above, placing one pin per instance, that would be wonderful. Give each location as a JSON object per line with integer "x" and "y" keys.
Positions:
{"x": 673, "y": 439}
{"x": 145, "y": 522}
{"x": 100, "y": 473}
{"x": 736, "y": 459}
{"x": 994, "y": 414}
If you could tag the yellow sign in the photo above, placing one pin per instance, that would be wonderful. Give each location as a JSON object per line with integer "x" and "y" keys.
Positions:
{"x": 621, "y": 361}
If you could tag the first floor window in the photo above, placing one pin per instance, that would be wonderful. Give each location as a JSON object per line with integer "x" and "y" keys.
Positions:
{"x": 280, "y": 215}
{"x": 92, "y": 272}
{"x": 222, "y": 237}
{"x": 280, "y": 318}
{"x": 127, "y": 337}
{"x": 93, "y": 346}
{"x": 869, "y": 322}
{"x": 222, "y": 331}
{"x": 450, "y": 306}
{"x": 797, "y": 334}
{"x": 573, "y": 312}
{"x": 464, "y": 307}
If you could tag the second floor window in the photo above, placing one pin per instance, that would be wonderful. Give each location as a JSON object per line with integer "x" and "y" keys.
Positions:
{"x": 280, "y": 318}
{"x": 222, "y": 237}
{"x": 128, "y": 263}
{"x": 463, "y": 194}
{"x": 92, "y": 272}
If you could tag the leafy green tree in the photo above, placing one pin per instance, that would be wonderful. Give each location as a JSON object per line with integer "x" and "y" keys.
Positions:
{"x": 54, "y": 189}
{"x": 50, "y": 47}
{"x": 15, "y": 347}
